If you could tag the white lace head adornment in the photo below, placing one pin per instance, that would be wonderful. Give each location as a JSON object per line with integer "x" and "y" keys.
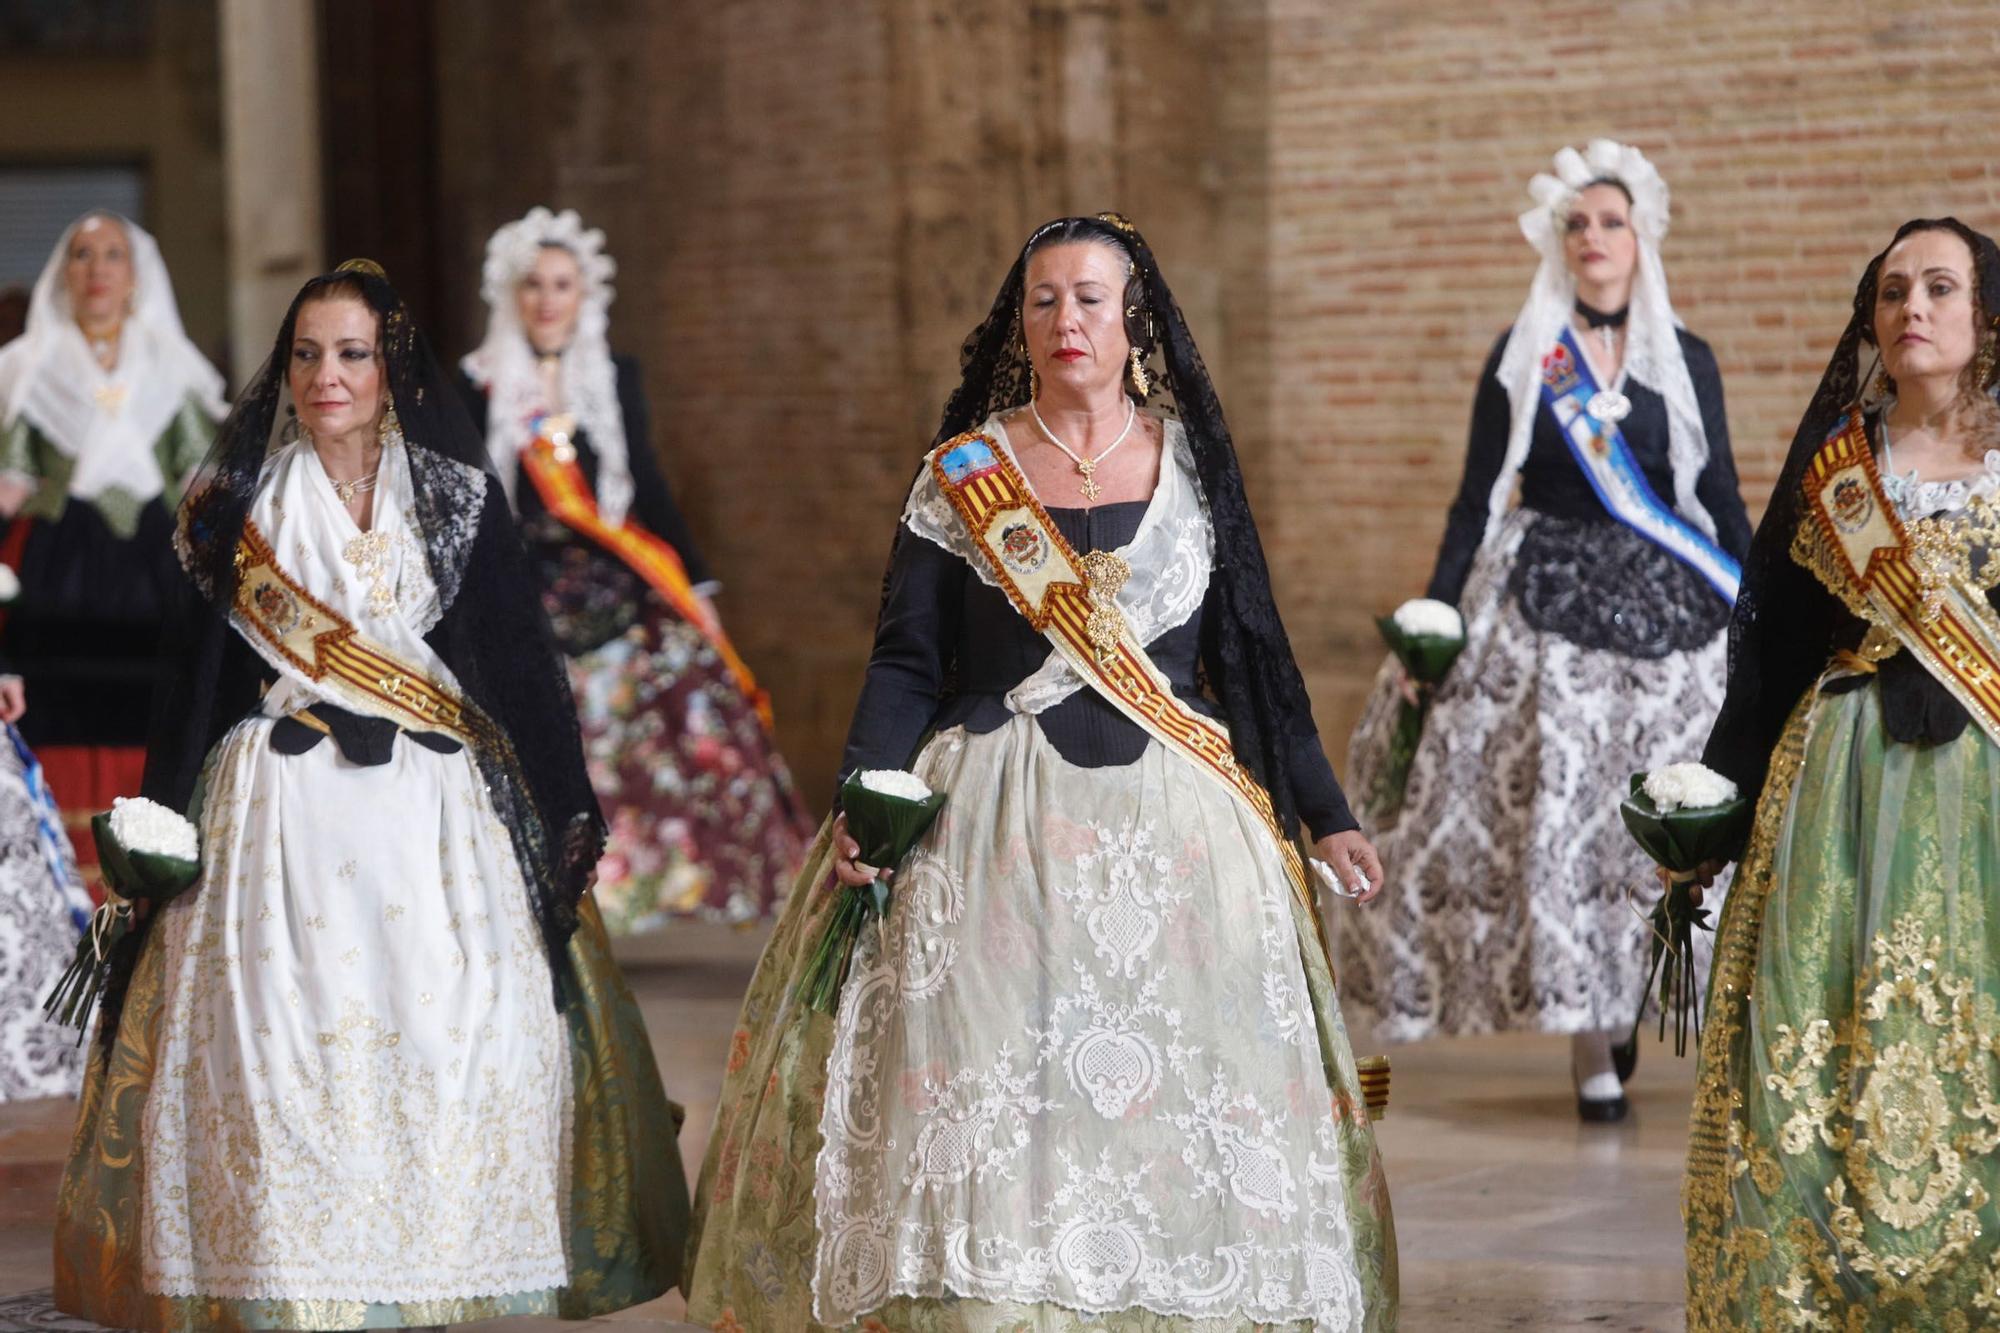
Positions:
{"x": 1556, "y": 194}
{"x": 504, "y": 362}
{"x": 1653, "y": 355}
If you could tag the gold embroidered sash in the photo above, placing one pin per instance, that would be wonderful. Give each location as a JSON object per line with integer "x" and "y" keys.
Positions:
{"x": 1070, "y": 599}
{"x": 294, "y": 629}
{"x": 1915, "y": 581}
{"x": 550, "y": 464}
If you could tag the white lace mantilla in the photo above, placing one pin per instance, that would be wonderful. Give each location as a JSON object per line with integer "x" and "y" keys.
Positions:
{"x": 1171, "y": 557}
{"x": 1080, "y": 1065}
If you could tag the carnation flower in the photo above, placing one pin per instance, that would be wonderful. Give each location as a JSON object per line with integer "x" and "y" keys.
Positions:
{"x": 10, "y": 583}
{"x": 895, "y": 782}
{"x": 1688, "y": 787}
{"x": 141, "y": 825}
{"x": 1427, "y": 616}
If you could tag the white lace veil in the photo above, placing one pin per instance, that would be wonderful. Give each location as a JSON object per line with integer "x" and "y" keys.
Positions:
{"x": 504, "y": 363}
{"x": 1653, "y": 354}
{"x": 107, "y": 422}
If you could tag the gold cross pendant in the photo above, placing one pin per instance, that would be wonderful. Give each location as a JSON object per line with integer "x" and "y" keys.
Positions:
{"x": 1091, "y": 490}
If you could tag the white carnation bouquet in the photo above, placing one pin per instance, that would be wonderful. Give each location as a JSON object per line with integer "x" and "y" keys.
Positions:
{"x": 888, "y": 812}
{"x": 1685, "y": 816}
{"x": 1426, "y": 636}
{"x": 150, "y": 855}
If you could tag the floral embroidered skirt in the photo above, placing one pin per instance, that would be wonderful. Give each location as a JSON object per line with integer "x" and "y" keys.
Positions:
{"x": 1512, "y": 882}
{"x": 1844, "y": 1157}
{"x": 340, "y": 1095}
{"x": 1090, "y": 1075}
{"x": 704, "y": 820}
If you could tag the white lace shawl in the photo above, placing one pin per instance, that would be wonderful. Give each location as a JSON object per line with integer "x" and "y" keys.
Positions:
{"x": 379, "y": 580}
{"x": 1916, "y": 498}
{"x": 1171, "y": 556}
{"x": 106, "y": 421}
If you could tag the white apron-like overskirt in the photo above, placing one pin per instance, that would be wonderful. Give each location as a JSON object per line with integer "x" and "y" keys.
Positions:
{"x": 363, "y": 1085}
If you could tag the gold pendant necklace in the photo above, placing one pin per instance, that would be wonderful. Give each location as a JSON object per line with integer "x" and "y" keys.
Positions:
{"x": 1087, "y": 466}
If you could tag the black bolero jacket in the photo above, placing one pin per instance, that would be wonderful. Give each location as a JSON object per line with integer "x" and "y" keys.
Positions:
{"x": 948, "y": 648}
{"x": 1551, "y": 482}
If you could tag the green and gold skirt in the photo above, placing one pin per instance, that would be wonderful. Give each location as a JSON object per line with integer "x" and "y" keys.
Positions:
{"x": 1845, "y": 1151}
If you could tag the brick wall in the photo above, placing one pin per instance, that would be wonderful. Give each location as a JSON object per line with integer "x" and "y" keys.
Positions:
{"x": 812, "y": 203}
{"x": 1794, "y": 135}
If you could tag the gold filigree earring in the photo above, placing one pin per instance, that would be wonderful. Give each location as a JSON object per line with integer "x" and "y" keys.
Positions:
{"x": 390, "y": 432}
{"x": 1982, "y": 367}
{"x": 1142, "y": 383}
{"x": 1882, "y": 387}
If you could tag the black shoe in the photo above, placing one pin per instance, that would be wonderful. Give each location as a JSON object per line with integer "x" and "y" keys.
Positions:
{"x": 1625, "y": 1058}
{"x": 1601, "y": 1111}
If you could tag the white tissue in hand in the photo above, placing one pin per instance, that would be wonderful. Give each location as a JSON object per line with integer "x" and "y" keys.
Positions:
{"x": 141, "y": 825}
{"x": 1431, "y": 618}
{"x": 1688, "y": 787}
{"x": 896, "y": 782}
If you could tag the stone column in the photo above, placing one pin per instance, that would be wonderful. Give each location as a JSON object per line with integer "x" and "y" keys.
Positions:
{"x": 271, "y": 164}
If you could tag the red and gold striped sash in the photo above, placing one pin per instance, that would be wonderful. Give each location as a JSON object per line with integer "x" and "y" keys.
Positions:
{"x": 1916, "y": 594}
{"x": 558, "y": 479}
{"x": 324, "y": 646}
{"x": 1069, "y": 598}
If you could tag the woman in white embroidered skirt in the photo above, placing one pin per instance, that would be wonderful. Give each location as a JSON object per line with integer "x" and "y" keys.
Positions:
{"x": 1093, "y": 1074}
{"x": 375, "y": 1068}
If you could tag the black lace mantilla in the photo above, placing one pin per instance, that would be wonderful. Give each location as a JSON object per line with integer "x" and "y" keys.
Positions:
{"x": 1600, "y": 585}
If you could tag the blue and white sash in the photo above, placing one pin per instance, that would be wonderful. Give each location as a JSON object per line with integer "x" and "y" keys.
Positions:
{"x": 1600, "y": 450}
{"x": 49, "y": 836}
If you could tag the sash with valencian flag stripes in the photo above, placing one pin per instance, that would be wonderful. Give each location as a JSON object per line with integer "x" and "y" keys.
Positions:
{"x": 1944, "y": 619}
{"x": 1070, "y": 599}
{"x": 315, "y": 640}
{"x": 550, "y": 463}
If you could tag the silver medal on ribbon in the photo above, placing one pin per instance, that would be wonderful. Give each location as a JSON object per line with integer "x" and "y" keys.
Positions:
{"x": 1609, "y": 406}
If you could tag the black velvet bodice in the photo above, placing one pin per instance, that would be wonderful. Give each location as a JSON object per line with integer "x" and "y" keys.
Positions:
{"x": 1582, "y": 573}
{"x": 949, "y": 647}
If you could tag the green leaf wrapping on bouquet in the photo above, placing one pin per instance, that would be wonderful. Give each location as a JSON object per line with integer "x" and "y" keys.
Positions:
{"x": 1679, "y": 841}
{"x": 886, "y": 828}
{"x": 134, "y": 877}
{"x": 1682, "y": 840}
{"x": 1426, "y": 658}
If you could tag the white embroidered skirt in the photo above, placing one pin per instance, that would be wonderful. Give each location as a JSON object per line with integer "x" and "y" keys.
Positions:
{"x": 363, "y": 1085}
{"x": 1085, "y": 1070}
{"x": 1515, "y": 895}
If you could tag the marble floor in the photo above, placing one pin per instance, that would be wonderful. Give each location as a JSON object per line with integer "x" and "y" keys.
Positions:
{"x": 1511, "y": 1215}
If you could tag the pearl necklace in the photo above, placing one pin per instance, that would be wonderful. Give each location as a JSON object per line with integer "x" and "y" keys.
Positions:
{"x": 347, "y": 490}
{"x": 1087, "y": 466}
